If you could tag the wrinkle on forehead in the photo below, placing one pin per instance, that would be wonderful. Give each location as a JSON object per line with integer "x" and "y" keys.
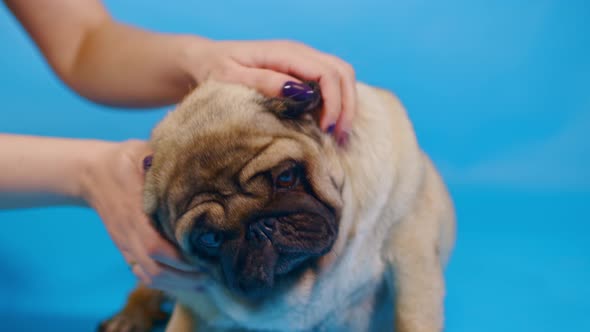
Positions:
{"x": 224, "y": 165}
{"x": 212, "y": 167}
{"x": 281, "y": 149}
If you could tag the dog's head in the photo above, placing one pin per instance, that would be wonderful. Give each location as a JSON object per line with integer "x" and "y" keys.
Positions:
{"x": 246, "y": 185}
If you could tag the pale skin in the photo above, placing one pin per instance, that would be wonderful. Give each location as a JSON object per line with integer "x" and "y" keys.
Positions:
{"x": 115, "y": 64}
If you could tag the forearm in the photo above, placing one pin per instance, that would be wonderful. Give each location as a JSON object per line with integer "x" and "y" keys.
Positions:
{"x": 103, "y": 60}
{"x": 36, "y": 171}
{"x": 124, "y": 66}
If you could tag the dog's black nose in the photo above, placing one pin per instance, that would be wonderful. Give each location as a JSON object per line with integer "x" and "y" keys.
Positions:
{"x": 261, "y": 230}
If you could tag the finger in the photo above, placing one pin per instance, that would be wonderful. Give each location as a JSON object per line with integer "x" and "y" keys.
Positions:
{"x": 140, "y": 273}
{"x": 134, "y": 251}
{"x": 349, "y": 106}
{"x": 347, "y": 83}
{"x": 179, "y": 281}
{"x": 266, "y": 81}
{"x": 305, "y": 63}
{"x": 330, "y": 82}
{"x": 329, "y": 85}
{"x": 140, "y": 258}
{"x": 126, "y": 245}
{"x": 175, "y": 263}
{"x": 159, "y": 250}
{"x": 163, "y": 277}
{"x": 270, "y": 83}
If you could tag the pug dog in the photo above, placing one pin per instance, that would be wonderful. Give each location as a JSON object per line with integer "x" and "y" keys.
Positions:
{"x": 295, "y": 232}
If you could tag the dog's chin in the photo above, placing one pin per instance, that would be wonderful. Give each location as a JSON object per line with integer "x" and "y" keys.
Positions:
{"x": 288, "y": 269}
{"x": 254, "y": 293}
{"x": 249, "y": 290}
{"x": 286, "y": 274}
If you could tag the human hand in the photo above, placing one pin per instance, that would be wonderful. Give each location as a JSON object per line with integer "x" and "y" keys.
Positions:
{"x": 114, "y": 188}
{"x": 268, "y": 65}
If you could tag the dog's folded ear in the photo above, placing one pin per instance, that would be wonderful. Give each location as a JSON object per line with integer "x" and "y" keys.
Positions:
{"x": 307, "y": 101}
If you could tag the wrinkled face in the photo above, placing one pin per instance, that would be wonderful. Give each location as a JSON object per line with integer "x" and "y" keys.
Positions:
{"x": 245, "y": 185}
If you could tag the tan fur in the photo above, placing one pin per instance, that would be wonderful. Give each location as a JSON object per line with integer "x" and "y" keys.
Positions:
{"x": 141, "y": 311}
{"x": 397, "y": 221}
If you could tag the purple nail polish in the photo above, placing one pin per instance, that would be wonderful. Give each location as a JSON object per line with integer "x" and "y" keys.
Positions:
{"x": 298, "y": 91}
{"x": 331, "y": 128}
{"x": 147, "y": 162}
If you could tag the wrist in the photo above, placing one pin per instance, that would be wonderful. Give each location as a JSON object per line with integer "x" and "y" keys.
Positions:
{"x": 44, "y": 171}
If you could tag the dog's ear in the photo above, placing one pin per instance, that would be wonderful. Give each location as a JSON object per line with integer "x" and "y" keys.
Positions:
{"x": 305, "y": 101}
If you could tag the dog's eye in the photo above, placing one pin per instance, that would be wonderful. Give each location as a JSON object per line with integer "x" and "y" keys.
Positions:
{"x": 287, "y": 179}
{"x": 210, "y": 239}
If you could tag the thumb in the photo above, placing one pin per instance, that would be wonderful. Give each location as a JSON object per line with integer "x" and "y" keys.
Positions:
{"x": 161, "y": 250}
{"x": 168, "y": 256}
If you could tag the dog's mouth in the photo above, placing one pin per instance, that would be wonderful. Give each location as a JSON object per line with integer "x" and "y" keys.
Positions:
{"x": 275, "y": 249}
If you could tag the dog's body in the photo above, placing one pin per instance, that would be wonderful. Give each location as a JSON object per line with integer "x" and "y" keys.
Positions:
{"x": 396, "y": 224}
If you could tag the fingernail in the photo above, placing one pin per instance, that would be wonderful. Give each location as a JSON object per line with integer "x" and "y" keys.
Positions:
{"x": 200, "y": 289}
{"x": 331, "y": 128}
{"x": 298, "y": 91}
{"x": 147, "y": 162}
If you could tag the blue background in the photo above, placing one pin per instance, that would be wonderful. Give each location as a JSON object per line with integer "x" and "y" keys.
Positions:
{"x": 499, "y": 95}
